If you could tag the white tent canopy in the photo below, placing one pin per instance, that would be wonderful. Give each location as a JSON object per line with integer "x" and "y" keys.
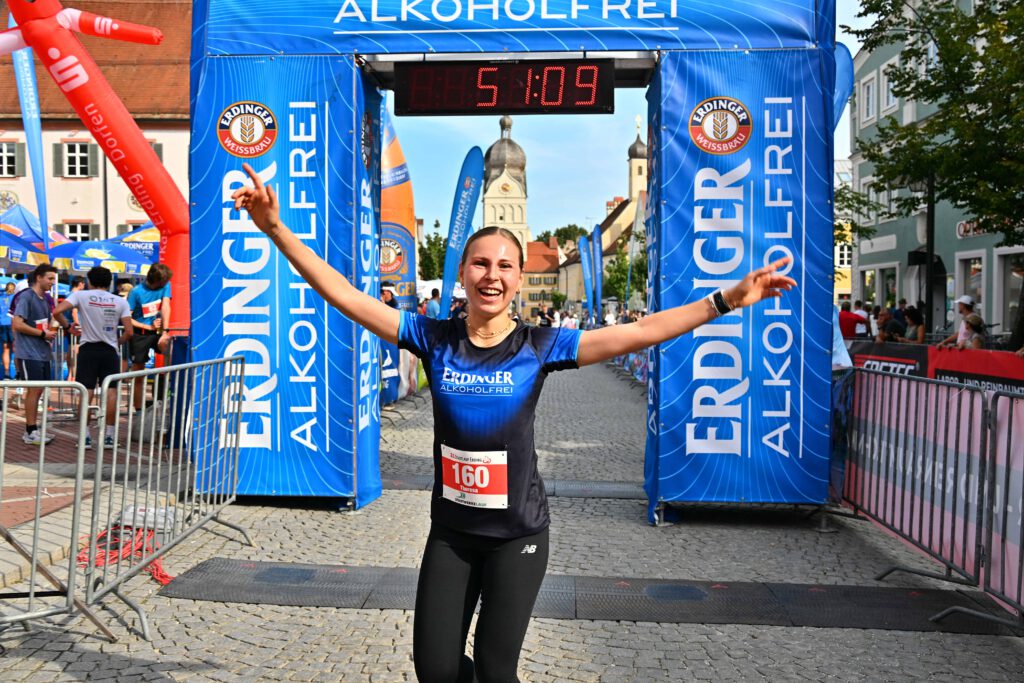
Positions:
{"x": 424, "y": 287}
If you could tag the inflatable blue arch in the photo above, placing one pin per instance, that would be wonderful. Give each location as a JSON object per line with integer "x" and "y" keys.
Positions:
{"x": 741, "y": 111}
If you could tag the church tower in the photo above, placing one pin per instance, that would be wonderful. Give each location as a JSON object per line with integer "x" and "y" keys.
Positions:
{"x": 504, "y": 196}
{"x": 637, "y": 168}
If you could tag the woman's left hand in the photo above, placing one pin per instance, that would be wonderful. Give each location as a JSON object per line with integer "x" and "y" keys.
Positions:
{"x": 763, "y": 283}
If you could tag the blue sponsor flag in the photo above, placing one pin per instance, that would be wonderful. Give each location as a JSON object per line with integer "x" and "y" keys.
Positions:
{"x": 28, "y": 95}
{"x": 588, "y": 286}
{"x": 467, "y": 194}
{"x": 844, "y": 82}
{"x": 598, "y": 272}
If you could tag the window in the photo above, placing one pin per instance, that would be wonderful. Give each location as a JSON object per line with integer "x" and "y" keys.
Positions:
{"x": 551, "y": 280}
{"x": 79, "y": 232}
{"x": 887, "y": 279}
{"x": 867, "y": 286}
{"x": 639, "y": 170}
{"x": 868, "y": 191}
{"x": 931, "y": 59}
{"x": 972, "y": 274}
{"x": 889, "y": 100}
{"x": 868, "y": 100}
{"x": 1011, "y": 267}
{"x": 536, "y": 296}
{"x": 844, "y": 255}
{"x": 12, "y": 159}
{"x": 75, "y": 159}
{"x": 534, "y": 280}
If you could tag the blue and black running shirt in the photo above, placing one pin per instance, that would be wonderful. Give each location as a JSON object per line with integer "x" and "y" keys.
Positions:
{"x": 485, "y": 465}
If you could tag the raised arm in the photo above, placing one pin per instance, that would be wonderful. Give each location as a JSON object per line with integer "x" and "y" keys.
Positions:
{"x": 264, "y": 209}
{"x": 615, "y": 340}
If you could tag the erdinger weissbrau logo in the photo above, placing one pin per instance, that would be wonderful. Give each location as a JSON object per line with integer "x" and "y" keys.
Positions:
{"x": 720, "y": 125}
{"x": 391, "y": 256}
{"x": 247, "y": 129}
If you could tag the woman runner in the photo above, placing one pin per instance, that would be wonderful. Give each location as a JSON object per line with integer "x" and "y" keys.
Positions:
{"x": 488, "y": 538}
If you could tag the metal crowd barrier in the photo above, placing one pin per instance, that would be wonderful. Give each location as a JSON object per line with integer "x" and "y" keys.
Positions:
{"x": 172, "y": 467}
{"x": 38, "y": 606}
{"x": 936, "y": 463}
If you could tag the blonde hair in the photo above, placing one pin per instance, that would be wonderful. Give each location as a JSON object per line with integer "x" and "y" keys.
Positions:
{"x": 493, "y": 230}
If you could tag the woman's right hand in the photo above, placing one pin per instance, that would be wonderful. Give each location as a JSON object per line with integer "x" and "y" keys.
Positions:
{"x": 261, "y": 202}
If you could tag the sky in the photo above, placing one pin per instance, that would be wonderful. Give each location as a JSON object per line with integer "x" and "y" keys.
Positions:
{"x": 574, "y": 164}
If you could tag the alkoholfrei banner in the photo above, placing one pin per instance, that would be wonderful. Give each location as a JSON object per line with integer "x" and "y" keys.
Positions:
{"x": 740, "y": 152}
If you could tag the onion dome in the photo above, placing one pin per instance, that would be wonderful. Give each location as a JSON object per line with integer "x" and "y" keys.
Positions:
{"x": 505, "y": 155}
{"x": 638, "y": 150}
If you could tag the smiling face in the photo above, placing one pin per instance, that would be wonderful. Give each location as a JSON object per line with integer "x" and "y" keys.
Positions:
{"x": 491, "y": 274}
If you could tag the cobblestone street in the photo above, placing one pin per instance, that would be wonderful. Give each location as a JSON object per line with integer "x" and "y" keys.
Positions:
{"x": 590, "y": 426}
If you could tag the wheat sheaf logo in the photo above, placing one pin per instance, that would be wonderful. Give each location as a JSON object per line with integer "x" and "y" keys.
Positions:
{"x": 247, "y": 129}
{"x": 720, "y": 125}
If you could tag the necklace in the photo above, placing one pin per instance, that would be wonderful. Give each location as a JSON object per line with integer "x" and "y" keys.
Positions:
{"x": 485, "y": 335}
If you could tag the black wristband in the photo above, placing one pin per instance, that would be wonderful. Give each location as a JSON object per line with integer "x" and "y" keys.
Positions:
{"x": 721, "y": 305}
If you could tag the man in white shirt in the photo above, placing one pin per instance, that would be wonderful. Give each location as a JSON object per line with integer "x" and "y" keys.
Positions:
{"x": 964, "y": 306}
{"x": 99, "y": 313}
{"x": 862, "y": 328}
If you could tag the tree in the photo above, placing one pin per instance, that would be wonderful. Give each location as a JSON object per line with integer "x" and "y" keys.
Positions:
{"x": 544, "y": 237}
{"x": 848, "y": 205}
{"x": 616, "y": 273}
{"x": 569, "y": 232}
{"x": 558, "y": 300}
{"x": 431, "y": 256}
{"x": 967, "y": 68}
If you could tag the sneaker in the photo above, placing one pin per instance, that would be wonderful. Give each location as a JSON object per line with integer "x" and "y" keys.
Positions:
{"x": 108, "y": 441}
{"x": 36, "y": 438}
{"x": 88, "y": 442}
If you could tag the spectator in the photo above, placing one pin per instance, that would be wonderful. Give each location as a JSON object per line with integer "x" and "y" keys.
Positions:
{"x": 915, "y": 327}
{"x": 6, "y": 338}
{"x": 889, "y": 329}
{"x": 101, "y": 312}
{"x": 977, "y": 333}
{"x": 387, "y": 295}
{"x": 861, "y": 310}
{"x": 150, "y": 304}
{"x": 901, "y": 312}
{"x": 965, "y": 307}
{"x": 873, "y": 320}
{"x": 32, "y": 338}
{"x": 124, "y": 289}
{"x": 434, "y": 303}
{"x": 848, "y": 321}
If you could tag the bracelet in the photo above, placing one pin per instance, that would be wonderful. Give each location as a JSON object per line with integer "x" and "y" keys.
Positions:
{"x": 717, "y": 304}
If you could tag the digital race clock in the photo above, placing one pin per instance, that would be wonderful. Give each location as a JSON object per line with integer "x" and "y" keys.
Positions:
{"x": 519, "y": 87}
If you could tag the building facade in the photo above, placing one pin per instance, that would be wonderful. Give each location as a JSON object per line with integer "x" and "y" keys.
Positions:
{"x": 616, "y": 227}
{"x": 86, "y": 199}
{"x": 892, "y": 264}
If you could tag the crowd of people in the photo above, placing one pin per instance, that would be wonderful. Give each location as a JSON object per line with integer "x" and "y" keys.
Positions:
{"x": 904, "y": 324}
{"x": 112, "y": 329}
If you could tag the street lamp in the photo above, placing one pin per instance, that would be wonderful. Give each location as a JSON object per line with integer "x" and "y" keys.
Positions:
{"x": 927, "y": 186}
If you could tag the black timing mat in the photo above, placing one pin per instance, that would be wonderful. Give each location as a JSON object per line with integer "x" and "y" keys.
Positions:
{"x": 612, "y": 599}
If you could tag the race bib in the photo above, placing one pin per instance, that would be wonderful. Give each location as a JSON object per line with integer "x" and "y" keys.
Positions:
{"x": 477, "y": 479}
{"x": 151, "y": 309}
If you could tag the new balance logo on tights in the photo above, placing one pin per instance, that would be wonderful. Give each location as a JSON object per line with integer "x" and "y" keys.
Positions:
{"x": 528, "y": 549}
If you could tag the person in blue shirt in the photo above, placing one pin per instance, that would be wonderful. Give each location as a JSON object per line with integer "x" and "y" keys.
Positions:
{"x": 488, "y": 538}
{"x": 150, "y": 304}
{"x": 434, "y": 304}
{"x": 6, "y": 336}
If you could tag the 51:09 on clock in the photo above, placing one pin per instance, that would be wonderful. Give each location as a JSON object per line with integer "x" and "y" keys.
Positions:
{"x": 524, "y": 87}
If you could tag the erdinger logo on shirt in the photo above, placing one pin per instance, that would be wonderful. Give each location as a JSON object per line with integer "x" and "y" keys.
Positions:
{"x": 247, "y": 129}
{"x": 497, "y": 383}
{"x": 720, "y": 125}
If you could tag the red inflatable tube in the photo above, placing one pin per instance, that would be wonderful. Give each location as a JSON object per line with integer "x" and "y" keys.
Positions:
{"x": 106, "y": 27}
{"x": 113, "y": 127}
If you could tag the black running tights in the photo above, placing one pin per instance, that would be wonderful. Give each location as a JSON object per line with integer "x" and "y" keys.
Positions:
{"x": 457, "y": 569}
